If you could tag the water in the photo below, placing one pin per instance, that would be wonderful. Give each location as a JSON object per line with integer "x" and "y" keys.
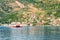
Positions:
{"x": 30, "y": 33}
{"x": 5, "y": 33}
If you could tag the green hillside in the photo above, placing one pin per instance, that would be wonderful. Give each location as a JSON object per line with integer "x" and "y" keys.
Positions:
{"x": 36, "y": 12}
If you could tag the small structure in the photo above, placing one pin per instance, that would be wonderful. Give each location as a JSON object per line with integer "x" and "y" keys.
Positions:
{"x": 15, "y": 25}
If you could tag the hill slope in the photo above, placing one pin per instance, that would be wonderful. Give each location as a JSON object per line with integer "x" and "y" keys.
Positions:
{"x": 29, "y": 11}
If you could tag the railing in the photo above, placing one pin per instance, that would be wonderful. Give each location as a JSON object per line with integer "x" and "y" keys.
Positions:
{"x": 31, "y": 33}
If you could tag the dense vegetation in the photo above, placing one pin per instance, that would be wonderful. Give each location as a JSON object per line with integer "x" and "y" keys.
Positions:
{"x": 35, "y": 12}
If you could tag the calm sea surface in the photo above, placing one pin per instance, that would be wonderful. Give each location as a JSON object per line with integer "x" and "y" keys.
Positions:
{"x": 30, "y": 33}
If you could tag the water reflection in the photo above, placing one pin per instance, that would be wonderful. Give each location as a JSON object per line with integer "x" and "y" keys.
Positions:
{"x": 27, "y": 33}
{"x": 52, "y": 33}
{"x": 5, "y": 33}
{"x": 31, "y": 33}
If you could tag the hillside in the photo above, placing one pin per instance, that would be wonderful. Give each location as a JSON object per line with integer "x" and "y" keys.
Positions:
{"x": 35, "y": 12}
